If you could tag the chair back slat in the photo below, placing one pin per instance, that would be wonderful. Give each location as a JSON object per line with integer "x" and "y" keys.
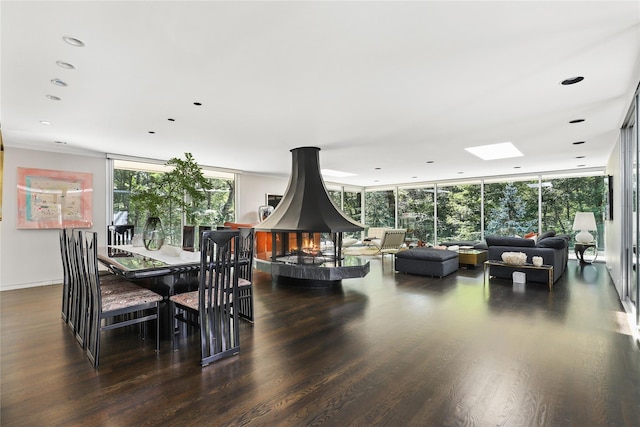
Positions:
{"x": 218, "y": 289}
{"x": 120, "y": 234}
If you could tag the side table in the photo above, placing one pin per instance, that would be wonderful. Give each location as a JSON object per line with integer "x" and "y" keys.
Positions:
{"x": 591, "y": 250}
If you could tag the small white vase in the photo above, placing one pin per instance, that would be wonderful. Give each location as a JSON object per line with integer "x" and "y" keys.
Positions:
{"x": 537, "y": 261}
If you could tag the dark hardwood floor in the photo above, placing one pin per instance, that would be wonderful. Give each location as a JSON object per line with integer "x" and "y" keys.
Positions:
{"x": 390, "y": 349}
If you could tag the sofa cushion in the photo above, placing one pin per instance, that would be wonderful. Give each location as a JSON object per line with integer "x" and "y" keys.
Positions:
{"x": 552, "y": 242}
{"x": 427, "y": 254}
{"x": 510, "y": 241}
{"x": 546, "y": 234}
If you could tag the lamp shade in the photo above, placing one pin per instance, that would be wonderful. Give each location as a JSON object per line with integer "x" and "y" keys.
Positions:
{"x": 584, "y": 221}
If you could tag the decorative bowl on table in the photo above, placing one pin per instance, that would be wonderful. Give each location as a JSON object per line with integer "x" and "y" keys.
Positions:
{"x": 515, "y": 258}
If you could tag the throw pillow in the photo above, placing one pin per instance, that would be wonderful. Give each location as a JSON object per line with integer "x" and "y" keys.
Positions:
{"x": 546, "y": 234}
{"x": 509, "y": 241}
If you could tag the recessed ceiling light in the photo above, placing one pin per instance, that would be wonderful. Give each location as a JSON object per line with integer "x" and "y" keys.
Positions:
{"x": 151, "y": 131}
{"x": 517, "y": 167}
{"x": 58, "y": 82}
{"x": 377, "y": 169}
{"x": 197, "y": 103}
{"x": 578, "y": 142}
{"x": 580, "y": 157}
{"x": 581, "y": 166}
{"x": 414, "y": 177}
{"x": 44, "y": 122}
{"x": 572, "y": 80}
{"x": 577, "y": 121}
{"x": 503, "y": 150}
{"x": 65, "y": 65}
{"x": 54, "y": 98}
{"x": 172, "y": 120}
{"x": 60, "y": 142}
{"x": 375, "y": 180}
{"x": 73, "y": 41}
{"x": 460, "y": 173}
{"x": 429, "y": 161}
{"x": 335, "y": 173}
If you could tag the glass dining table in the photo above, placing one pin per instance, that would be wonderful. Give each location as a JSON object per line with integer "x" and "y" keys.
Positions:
{"x": 136, "y": 263}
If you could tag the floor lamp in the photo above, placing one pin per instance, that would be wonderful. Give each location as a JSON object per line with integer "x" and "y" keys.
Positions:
{"x": 584, "y": 221}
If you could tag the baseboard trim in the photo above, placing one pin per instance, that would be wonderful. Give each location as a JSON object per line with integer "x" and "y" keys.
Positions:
{"x": 29, "y": 285}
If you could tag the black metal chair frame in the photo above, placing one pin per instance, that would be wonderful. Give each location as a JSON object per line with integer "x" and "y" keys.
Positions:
{"x": 120, "y": 234}
{"x": 245, "y": 271}
{"x": 218, "y": 288}
{"x": 137, "y": 314}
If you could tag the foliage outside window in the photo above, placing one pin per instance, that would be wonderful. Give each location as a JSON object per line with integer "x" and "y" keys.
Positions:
{"x": 459, "y": 212}
{"x": 213, "y": 206}
{"x": 563, "y": 197}
{"x": 380, "y": 208}
{"x": 415, "y": 213}
{"x": 511, "y": 208}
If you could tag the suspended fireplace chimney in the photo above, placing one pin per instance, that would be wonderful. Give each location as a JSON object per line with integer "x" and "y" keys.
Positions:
{"x": 306, "y": 228}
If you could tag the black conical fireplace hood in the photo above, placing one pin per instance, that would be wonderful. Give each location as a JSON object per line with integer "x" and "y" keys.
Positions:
{"x": 306, "y": 205}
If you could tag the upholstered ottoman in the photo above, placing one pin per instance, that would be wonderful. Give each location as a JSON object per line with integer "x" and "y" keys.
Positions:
{"x": 427, "y": 261}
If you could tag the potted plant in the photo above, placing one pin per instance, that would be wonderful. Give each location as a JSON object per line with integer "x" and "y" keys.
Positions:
{"x": 171, "y": 196}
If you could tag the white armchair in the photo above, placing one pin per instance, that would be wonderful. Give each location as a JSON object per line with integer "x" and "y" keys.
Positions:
{"x": 391, "y": 242}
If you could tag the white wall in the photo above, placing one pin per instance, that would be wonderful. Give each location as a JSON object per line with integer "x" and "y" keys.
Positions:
{"x": 613, "y": 229}
{"x": 252, "y": 190}
{"x": 32, "y": 257}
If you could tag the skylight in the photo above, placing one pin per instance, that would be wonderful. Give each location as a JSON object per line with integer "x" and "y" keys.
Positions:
{"x": 503, "y": 150}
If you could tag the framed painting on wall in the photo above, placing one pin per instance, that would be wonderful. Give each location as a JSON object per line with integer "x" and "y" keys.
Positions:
{"x": 54, "y": 199}
{"x": 273, "y": 199}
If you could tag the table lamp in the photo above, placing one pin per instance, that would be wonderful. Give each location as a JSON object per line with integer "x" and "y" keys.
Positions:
{"x": 584, "y": 221}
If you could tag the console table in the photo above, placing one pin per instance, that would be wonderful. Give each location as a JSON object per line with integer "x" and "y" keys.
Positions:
{"x": 525, "y": 266}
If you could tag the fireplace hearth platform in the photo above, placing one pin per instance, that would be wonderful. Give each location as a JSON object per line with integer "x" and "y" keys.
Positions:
{"x": 314, "y": 274}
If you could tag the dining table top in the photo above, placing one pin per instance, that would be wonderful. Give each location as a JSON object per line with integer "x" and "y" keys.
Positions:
{"x": 137, "y": 262}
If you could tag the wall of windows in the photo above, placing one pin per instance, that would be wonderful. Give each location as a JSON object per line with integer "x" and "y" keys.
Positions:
{"x": 415, "y": 212}
{"x": 511, "y": 208}
{"x": 380, "y": 208}
{"x": 506, "y": 207}
{"x": 217, "y": 207}
{"x": 459, "y": 212}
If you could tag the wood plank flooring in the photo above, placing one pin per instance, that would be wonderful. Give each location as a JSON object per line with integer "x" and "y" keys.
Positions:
{"x": 389, "y": 349}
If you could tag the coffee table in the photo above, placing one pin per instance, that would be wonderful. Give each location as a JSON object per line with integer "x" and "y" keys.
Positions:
{"x": 472, "y": 257}
{"x": 525, "y": 266}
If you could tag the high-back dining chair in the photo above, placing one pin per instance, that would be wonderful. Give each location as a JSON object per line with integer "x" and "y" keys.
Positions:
{"x": 76, "y": 305}
{"x": 113, "y": 300}
{"x": 119, "y": 234}
{"x": 212, "y": 304}
{"x": 246, "y": 244}
{"x": 66, "y": 273}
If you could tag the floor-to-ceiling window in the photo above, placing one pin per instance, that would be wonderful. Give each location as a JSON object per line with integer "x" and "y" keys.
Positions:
{"x": 380, "y": 208}
{"x": 217, "y": 207}
{"x": 459, "y": 210}
{"x": 563, "y": 196}
{"x": 415, "y": 213}
{"x": 511, "y": 207}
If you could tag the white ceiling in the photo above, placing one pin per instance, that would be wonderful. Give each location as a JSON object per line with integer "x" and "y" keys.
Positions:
{"x": 387, "y": 85}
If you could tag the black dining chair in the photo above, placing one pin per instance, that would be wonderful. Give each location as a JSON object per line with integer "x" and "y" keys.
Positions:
{"x": 210, "y": 308}
{"x": 66, "y": 272}
{"x": 120, "y": 234}
{"x": 76, "y": 305}
{"x": 113, "y": 305}
{"x": 246, "y": 244}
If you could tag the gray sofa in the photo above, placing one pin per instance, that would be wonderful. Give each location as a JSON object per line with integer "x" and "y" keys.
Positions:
{"x": 553, "y": 249}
